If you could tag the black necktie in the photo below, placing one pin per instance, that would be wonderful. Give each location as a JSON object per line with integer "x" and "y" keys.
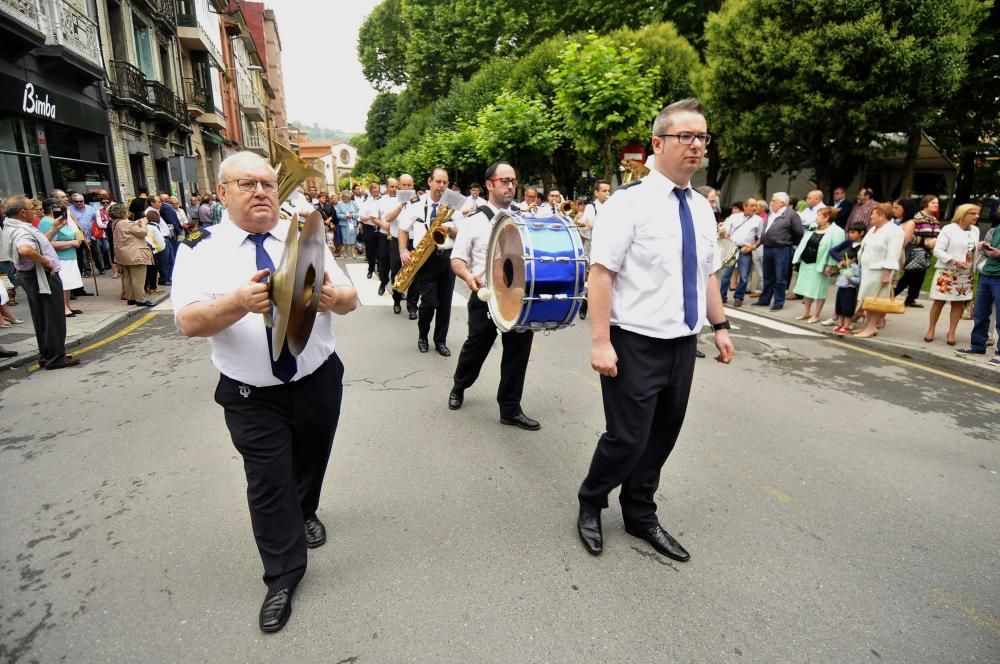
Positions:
{"x": 284, "y": 369}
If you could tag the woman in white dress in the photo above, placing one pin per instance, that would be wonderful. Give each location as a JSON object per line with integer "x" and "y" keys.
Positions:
{"x": 955, "y": 252}
{"x": 879, "y": 258}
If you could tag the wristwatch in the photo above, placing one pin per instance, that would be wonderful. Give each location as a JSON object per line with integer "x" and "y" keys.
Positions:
{"x": 724, "y": 325}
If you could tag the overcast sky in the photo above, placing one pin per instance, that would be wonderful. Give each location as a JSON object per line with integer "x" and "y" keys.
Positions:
{"x": 319, "y": 42}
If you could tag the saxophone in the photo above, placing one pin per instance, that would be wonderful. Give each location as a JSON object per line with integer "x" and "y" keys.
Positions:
{"x": 423, "y": 250}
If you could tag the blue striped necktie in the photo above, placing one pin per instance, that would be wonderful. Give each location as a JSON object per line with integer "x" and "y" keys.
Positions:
{"x": 689, "y": 260}
{"x": 284, "y": 369}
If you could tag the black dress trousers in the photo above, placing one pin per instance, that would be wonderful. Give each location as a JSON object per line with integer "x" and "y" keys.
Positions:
{"x": 285, "y": 434}
{"x": 384, "y": 263}
{"x": 370, "y": 236}
{"x": 436, "y": 284}
{"x": 413, "y": 292}
{"x": 513, "y": 364}
{"x": 47, "y": 316}
{"x": 644, "y": 407}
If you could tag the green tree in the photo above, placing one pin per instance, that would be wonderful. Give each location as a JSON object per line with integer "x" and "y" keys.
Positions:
{"x": 382, "y": 42}
{"x": 603, "y": 95}
{"x": 518, "y": 129}
{"x": 817, "y": 84}
{"x": 378, "y": 125}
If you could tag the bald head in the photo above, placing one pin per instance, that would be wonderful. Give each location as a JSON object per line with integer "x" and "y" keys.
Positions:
{"x": 243, "y": 161}
{"x": 406, "y": 181}
{"x": 814, "y": 198}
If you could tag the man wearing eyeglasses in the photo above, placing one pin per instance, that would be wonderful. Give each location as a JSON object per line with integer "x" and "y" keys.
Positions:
{"x": 468, "y": 261}
{"x": 37, "y": 265}
{"x": 652, "y": 287}
{"x": 282, "y": 415}
{"x": 435, "y": 281}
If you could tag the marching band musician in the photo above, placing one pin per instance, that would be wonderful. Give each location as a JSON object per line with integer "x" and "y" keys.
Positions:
{"x": 530, "y": 203}
{"x": 387, "y": 204}
{"x": 435, "y": 282}
{"x": 550, "y": 208}
{"x": 282, "y": 415}
{"x": 395, "y": 263}
{"x": 368, "y": 215}
{"x": 652, "y": 285}
{"x": 468, "y": 261}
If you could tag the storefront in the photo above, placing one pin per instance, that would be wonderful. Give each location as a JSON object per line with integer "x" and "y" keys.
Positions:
{"x": 50, "y": 140}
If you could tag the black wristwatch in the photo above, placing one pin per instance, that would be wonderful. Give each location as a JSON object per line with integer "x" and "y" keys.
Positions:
{"x": 724, "y": 325}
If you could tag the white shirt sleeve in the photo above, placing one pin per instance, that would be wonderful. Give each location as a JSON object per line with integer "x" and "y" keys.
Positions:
{"x": 463, "y": 241}
{"x": 188, "y": 284}
{"x": 408, "y": 217}
{"x": 613, "y": 234}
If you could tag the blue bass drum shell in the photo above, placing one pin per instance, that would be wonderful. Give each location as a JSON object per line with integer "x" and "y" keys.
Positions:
{"x": 535, "y": 271}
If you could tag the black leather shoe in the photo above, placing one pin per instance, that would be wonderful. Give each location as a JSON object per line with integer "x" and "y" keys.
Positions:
{"x": 423, "y": 346}
{"x": 381, "y": 291}
{"x": 442, "y": 350}
{"x": 698, "y": 353}
{"x": 396, "y": 308}
{"x": 413, "y": 315}
{"x": 456, "y": 399}
{"x": 12, "y": 353}
{"x": 315, "y": 533}
{"x": 369, "y": 275}
{"x": 662, "y": 541}
{"x": 276, "y": 609}
{"x": 523, "y": 421}
{"x": 147, "y": 303}
{"x": 131, "y": 302}
{"x": 588, "y": 525}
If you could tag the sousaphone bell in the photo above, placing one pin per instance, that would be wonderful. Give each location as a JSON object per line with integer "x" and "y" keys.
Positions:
{"x": 295, "y": 287}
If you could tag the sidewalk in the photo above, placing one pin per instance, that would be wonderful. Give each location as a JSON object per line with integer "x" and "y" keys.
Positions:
{"x": 100, "y": 314}
{"x": 903, "y": 336}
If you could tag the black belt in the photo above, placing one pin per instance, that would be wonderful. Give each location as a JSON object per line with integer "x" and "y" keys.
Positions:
{"x": 443, "y": 251}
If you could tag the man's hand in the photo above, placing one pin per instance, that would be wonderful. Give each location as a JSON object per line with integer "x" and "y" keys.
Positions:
{"x": 253, "y": 295}
{"x": 49, "y": 265}
{"x": 328, "y": 297}
{"x": 724, "y": 344}
{"x": 405, "y": 257}
{"x": 474, "y": 283}
{"x": 604, "y": 359}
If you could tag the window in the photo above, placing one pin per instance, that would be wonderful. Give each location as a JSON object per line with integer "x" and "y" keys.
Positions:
{"x": 143, "y": 48}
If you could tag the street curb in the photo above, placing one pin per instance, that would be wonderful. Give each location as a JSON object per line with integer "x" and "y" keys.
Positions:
{"x": 118, "y": 319}
{"x": 965, "y": 368}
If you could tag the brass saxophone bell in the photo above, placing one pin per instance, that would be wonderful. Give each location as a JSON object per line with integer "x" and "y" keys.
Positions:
{"x": 295, "y": 286}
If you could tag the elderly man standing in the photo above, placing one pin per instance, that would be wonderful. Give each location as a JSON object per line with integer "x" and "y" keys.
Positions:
{"x": 781, "y": 234}
{"x": 282, "y": 415}
{"x": 38, "y": 272}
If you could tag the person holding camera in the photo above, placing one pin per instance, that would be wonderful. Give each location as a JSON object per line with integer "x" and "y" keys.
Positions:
{"x": 65, "y": 242}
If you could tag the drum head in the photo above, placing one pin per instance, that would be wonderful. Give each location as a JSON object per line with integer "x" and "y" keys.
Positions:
{"x": 505, "y": 273}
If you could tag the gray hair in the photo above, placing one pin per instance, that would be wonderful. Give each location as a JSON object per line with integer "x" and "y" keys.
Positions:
{"x": 14, "y": 204}
{"x": 662, "y": 122}
{"x": 240, "y": 158}
{"x": 781, "y": 196}
{"x": 705, "y": 190}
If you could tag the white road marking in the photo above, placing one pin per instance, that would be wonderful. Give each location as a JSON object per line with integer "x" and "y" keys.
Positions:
{"x": 772, "y": 324}
{"x": 368, "y": 288}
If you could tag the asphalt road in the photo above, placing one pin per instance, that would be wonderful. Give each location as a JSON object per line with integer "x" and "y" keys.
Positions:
{"x": 838, "y": 508}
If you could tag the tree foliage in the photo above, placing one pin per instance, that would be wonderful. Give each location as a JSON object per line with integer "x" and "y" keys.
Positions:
{"x": 382, "y": 45}
{"x": 378, "y": 125}
{"x": 603, "y": 93}
{"x": 516, "y": 128}
{"x": 816, "y": 84}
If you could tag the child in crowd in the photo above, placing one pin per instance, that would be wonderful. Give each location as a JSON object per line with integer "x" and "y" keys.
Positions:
{"x": 848, "y": 277}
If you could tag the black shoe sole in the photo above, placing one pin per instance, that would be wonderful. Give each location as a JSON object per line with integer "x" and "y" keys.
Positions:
{"x": 645, "y": 539}
{"x": 514, "y": 423}
{"x": 315, "y": 545}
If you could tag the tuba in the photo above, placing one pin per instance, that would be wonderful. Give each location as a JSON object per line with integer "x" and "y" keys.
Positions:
{"x": 295, "y": 286}
{"x": 566, "y": 207}
{"x": 634, "y": 170}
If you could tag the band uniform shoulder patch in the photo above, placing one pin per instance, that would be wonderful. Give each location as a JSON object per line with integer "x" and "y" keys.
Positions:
{"x": 194, "y": 237}
{"x": 415, "y": 199}
{"x": 633, "y": 183}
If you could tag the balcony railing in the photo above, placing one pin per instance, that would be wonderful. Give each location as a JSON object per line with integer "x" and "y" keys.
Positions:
{"x": 128, "y": 82}
{"x": 64, "y": 25}
{"x": 164, "y": 100}
{"x": 198, "y": 94}
{"x": 187, "y": 20}
{"x": 27, "y": 12}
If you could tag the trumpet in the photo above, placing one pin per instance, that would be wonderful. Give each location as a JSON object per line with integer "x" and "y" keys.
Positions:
{"x": 566, "y": 207}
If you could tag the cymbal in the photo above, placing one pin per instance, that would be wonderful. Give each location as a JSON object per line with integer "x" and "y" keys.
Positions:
{"x": 295, "y": 286}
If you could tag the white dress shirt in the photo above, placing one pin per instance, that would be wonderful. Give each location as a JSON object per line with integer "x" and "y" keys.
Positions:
{"x": 638, "y": 236}
{"x": 416, "y": 218}
{"x": 224, "y": 261}
{"x": 473, "y": 241}
{"x": 743, "y": 230}
{"x": 808, "y": 215}
{"x": 387, "y": 204}
{"x": 370, "y": 208}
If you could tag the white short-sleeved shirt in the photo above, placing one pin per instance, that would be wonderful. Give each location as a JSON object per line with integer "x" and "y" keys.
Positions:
{"x": 387, "y": 204}
{"x": 416, "y": 218}
{"x": 638, "y": 236}
{"x": 473, "y": 241}
{"x": 743, "y": 230}
{"x": 370, "y": 208}
{"x": 222, "y": 261}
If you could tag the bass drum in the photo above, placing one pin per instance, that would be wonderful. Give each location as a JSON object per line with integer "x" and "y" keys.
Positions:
{"x": 535, "y": 273}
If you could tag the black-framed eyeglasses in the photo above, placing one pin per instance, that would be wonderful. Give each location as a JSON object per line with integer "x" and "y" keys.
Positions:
{"x": 506, "y": 182}
{"x": 687, "y": 138}
{"x": 249, "y": 186}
